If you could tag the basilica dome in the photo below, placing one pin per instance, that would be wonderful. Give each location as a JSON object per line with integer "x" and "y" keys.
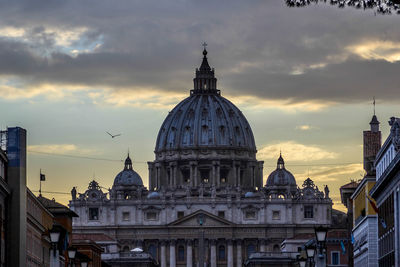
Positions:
{"x": 128, "y": 177}
{"x": 205, "y": 119}
{"x": 281, "y": 176}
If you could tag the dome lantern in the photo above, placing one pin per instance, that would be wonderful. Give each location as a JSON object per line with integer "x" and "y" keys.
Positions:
{"x": 205, "y": 81}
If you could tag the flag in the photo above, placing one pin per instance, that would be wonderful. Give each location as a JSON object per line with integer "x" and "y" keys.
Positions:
{"x": 373, "y": 205}
{"x": 42, "y": 177}
{"x": 66, "y": 241}
{"x": 381, "y": 220}
{"x": 343, "y": 247}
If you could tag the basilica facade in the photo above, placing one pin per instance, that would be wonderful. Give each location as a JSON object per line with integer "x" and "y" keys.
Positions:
{"x": 205, "y": 202}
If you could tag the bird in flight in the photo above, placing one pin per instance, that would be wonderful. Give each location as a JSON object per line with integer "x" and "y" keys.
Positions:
{"x": 112, "y": 136}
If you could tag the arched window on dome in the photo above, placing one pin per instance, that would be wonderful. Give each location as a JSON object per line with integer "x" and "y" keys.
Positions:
{"x": 204, "y": 134}
{"x": 276, "y": 248}
{"x": 125, "y": 249}
{"x": 186, "y": 136}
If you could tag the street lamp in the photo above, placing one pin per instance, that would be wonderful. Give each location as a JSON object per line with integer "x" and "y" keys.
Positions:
{"x": 310, "y": 250}
{"x": 320, "y": 233}
{"x": 54, "y": 237}
{"x": 71, "y": 255}
{"x": 302, "y": 262}
{"x": 84, "y": 263}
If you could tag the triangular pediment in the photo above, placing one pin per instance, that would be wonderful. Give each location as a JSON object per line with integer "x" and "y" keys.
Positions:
{"x": 201, "y": 216}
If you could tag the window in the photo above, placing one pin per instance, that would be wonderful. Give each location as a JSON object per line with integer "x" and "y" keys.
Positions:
{"x": 221, "y": 214}
{"x": 153, "y": 251}
{"x": 276, "y": 215}
{"x": 93, "y": 214}
{"x": 125, "y": 216}
{"x": 151, "y": 216}
{"x": 221, "y": 253}
{"x": 251, "y": 248}
{"x": 186, "y": 175}
{"x": 250, "y": 214}
{"x": 276, "y": 248}
{"x": 223, "y": 174}
{"x": 181, "y": 253}
{"x": 308, "y": 212}
{"x": 335, "y": 258}
{"x": 205, "y": 175}
{"x": 125, "y": 249}
{"x": 181, "y": 214}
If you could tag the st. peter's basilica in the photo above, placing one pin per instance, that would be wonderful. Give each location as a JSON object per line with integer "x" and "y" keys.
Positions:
{"x": 205, "y": 201}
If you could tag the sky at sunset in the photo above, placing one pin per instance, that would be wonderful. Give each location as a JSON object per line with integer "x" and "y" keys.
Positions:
{"x": 303, "y": 77}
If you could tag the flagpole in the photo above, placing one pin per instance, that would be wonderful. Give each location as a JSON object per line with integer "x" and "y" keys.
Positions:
{"x": 40, "y": 178}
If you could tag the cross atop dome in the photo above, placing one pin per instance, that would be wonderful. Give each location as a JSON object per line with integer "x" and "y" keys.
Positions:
{"x": 205, "y": 81}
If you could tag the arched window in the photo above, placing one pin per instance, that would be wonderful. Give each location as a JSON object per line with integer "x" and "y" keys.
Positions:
{"x": 181, "y": 253}
{"x": 251, "y": 248}
{"x": 125, "y": 249}
{"x": 221, "y": 253}
{"x": 276, "y": 248}
{"x": 153, "y": 251}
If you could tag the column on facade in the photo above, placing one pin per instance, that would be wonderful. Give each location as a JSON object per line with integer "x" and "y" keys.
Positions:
{"x": 213, "y": 253}
{"x": 151, "y": 175}
{"x": 238, "y": 175}
{"x": 163, "y": 255}
{"x": 234, "y": 173}
{"x": 230, "y": 253}
{"x": 171, "y": 175}
{"x": 239, "y": 253}
{"x": 253, "y": 177}
{"x": 158, "y": 176}
{"x": 193, "y": 173}
{"x": 172, "y": 255}
{"x": 189, "y": 253}
{"x": 218, "y": 173}
{"x": 175, "y": 177}
{"x": 214, "y": 175}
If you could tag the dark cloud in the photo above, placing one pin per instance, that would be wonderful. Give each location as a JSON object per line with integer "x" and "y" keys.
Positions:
{"x": 253, "y": 45}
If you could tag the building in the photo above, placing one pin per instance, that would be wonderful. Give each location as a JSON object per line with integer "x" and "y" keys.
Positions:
{"x": 39, "y": 222}
{"x": 206, "y": 201}
{"x": 364, "y": 217}
{"x": 4, "y": 195}
{"x": 386, "y": 194}
{"x": 62, "y": 223}
{"x": 346, "y": 191}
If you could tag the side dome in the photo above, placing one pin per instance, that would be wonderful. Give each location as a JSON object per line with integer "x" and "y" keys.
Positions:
{"x": 205, "y": 119}
{"x": 128, "y": 177}
{"x": 281, "y": 176}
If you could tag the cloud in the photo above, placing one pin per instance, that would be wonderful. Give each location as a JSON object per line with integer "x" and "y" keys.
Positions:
{"x": 304, "y": 127}
{"x": 331, "y": 173}
{"x": 377, "y": 50}
{"x": 60, "y": 149}
{"x": 258, "y": 62}
{"x": 292, "y": 151}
